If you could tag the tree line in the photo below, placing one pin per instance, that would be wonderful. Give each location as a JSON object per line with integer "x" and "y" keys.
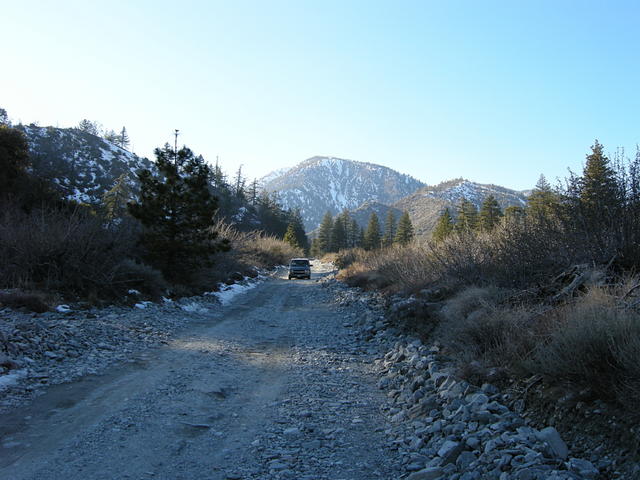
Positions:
{"x": 343, "y": 232}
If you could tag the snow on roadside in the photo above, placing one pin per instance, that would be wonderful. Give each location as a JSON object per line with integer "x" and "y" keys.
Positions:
{"x": 228, "y": 292}
{"x": 11, "y": 378}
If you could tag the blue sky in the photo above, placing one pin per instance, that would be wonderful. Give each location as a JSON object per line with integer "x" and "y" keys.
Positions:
{"x": 494, "y": 91}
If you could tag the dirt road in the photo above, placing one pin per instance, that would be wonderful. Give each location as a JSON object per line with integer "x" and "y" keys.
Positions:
{"x": 272, "y": 386}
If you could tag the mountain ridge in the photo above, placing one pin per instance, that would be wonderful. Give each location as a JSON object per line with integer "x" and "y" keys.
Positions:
{"x": 320, "y": 184}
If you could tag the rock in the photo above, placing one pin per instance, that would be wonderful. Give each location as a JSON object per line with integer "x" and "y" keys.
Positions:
{"x": 429, "y": 473}
{"x": 292, "y": 432}
{"x": 584, "y": 468}
{"x": 555, "y": 442}
{"x": 465, "y": 459}
{"x": 449, "y": 451}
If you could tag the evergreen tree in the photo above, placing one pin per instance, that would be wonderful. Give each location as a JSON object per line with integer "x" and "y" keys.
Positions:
{"x": 467, "y": 220}
{"x": 112, "y": 137}
{"x": 290, "y": 236}
{"x": 353, "y": 234}
{"x": 315, "y": 250}
{"x": 239, "y": 183}
{"x": 94, "y": 128}
{"x": 389, "y": 229}
{"x": 176, "y": 210}
{"x": 514, "y": 213}
{"x": 361, "y": 236}
{"x": 4, "y": 118}
{"x": 298, "y": 230}
{"x": 325, "y": 233}
{"x": 404, "y": 234}
{"x": 253, "y": 192}
{"x": 14, "y": 158}
{"x": 444, "y": 227}
{"x": 490, "y": 214}
{"x": 599, "y": 193}
{"x": 123, "y": 139}
{"x": 338, "y": 234}
{"x": 372, "y": 235}
{"x": 543, "y": 201}
{"x": 115, "y": 199}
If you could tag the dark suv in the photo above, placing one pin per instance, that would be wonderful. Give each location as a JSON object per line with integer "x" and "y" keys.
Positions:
{"x": 299, "y": 268}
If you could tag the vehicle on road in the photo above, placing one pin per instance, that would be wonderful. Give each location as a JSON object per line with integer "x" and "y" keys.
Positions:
{"x": 299, "y": 268}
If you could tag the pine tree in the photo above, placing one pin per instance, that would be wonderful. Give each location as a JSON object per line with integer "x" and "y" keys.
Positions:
{"x": 298, "y": 230}
{"x": 325, "y": 233}
{"x": 176, "y": 210}
{"x": 372, "y": 234}
{"x": 290, "y": 236}
{"x": 467, "y": 220}
{"x": 389, "y": 229}
{"x": 239, "y": 183}
{"x": 123, "y": 139}
{"x": 404, "y": 234}
{"x": 353, "y": 233}
{"x": 315, "y": 250}
{"x": 444, "y": 227}
{"x": 4, "y": 118}
{"x": 490, "y": 214}
{"x": 543, "y": 201}
{"x": 599, "y": 193}
{"x": 338, "y": 234}
{"x": 115, "y": 199}
{"x": 253, "y": 192}
{"x": 14, "y": 158}
{"x": 514, "y": 214}
{"x": 94, "y": 128}
{"x": 112, "y": 137}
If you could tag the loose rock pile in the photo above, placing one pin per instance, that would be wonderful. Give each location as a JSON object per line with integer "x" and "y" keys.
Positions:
{"x": 445, "y": 428}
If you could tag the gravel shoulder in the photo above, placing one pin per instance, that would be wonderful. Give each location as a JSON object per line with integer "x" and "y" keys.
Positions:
{"x": 275, "y": 385}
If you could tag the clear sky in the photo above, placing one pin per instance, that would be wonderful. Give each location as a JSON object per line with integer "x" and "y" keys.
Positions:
{"x": 494, "y": 91}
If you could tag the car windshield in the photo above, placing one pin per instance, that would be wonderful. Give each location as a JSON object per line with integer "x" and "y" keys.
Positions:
{"x": 299, "y": 263}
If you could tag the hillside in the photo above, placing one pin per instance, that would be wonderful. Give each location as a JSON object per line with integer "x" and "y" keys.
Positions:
{"x": 426, "y": 205}
{"x": 82, "y": 165}
{"x": 322, "y": 184}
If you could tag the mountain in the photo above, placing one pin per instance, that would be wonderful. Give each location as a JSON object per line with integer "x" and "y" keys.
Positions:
{"x": 426, "y": 205}
{"x": 322, "y": 184}
{"x": 82, "y": 165}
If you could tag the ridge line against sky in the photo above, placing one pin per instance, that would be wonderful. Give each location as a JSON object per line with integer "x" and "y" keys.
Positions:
{"x": 496, "y": 91}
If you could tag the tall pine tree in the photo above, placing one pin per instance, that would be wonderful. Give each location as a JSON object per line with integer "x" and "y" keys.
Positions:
{"x": 176, "y": 210}
{"x": 372, "y": 234}
{"x": 389, "y": 229}
{"x": 467, "y": 220}
{"x": 444, "y": 227}
{"x": 325, "y": 233}
{"x": 490, "y": 214}
{"x": 404, "y": 235}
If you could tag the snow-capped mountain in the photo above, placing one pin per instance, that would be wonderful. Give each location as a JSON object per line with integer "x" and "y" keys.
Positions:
{"x": 426, "y": 205}
{"x": 322, "y": 184}
{"x": 82, "y": 165}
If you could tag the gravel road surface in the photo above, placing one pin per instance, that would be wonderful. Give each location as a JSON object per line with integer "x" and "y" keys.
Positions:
{"x": 272, "y": 386}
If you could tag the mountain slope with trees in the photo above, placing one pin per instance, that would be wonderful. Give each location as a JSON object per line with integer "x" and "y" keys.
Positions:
{"x": 322, "y": 184}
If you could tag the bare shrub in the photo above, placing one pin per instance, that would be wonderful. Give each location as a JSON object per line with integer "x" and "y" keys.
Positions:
{"x": 139, "y": 276}
{"x": 29, "y": 301}
{"x": 58, "y": 250}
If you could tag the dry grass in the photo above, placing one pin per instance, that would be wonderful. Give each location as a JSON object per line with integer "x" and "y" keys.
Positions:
{"x": 593, "y": 342}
